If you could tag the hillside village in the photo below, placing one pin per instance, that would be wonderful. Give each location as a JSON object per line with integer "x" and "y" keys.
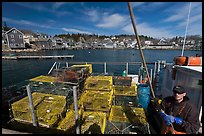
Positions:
{"x": 14, "y": 38}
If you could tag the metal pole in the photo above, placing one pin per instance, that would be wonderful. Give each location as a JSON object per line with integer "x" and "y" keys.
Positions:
{"x": 76, "y": 109}
{"x": 67, "y": 65}
{"x": 151, "y": 75}
{"x": 56, "y": 66}
{"x": 52, "y": 68}
{"x": 105, "y": 67}
{"x": 155, "y": 67}
{"x": 158, "y": 66}
{"x": 31, "y": 105}
{"x": 127, "y": 68}
{"x": 139, "y": 45}
{"x": 59, "y": 65}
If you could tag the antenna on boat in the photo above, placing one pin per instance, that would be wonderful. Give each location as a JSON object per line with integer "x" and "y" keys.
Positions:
{"x": 139, "y": 45}
{"x": 186, "y": 29}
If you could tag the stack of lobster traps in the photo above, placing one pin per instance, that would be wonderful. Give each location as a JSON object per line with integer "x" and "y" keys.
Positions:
{"x": 49, "y": 109}
{"x": 72, "y": 74}
{"x": 106, "y": 104}
{"x": 126, "y": 115}
{"x": 122, "y": 81}
{"x": 127, "y": 120}
{"x": 97, "y": 95}
{"x": 94, "y": 106}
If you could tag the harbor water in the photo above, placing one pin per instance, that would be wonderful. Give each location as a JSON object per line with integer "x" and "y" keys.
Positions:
{"x": 16, "y": 71}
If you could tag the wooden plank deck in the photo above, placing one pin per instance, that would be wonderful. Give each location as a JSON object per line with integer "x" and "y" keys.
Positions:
{"x": 38, "y": 57}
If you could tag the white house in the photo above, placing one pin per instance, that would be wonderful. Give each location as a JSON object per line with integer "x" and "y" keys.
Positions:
{"x": 148, "y": 43}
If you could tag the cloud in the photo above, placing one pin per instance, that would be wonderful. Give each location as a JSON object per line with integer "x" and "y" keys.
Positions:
{"x": 41, "y": 7}
{"x": 112, "y": 21}
{"x": 180, "y": 12}
{"x": 56, "y": 5}
{"x": 51, "y": 21}
{"x": 37, "y": 6}
{"x": 147, "y": 5}
{"x": 146, "y": 29}
{"x": 25, "y": 22}
{"x": 137, "y": 4}
{"x": 75, "y": 30}
{"x": 195, "y": 29}
{"x": 93, "y": 14}
{"x": 192, "y": 20}
{"x": 181, "y": 15}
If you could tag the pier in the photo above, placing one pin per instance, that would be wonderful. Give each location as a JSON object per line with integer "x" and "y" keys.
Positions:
{"x": 37, "y": 57}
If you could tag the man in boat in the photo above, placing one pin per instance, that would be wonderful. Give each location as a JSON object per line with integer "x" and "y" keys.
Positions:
{"x": 179, "y": 115}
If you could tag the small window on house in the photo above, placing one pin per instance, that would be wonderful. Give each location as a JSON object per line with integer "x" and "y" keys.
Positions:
{"x": 14, "y": 31}
{"x": 13, "y": 40}
{"x": 16, "y": 45}
{"x": 20, "y": 36}
{"x": 12, "y": 36}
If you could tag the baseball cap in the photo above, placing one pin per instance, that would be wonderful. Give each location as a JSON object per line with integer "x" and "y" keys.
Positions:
{"x": 179, "y": 89}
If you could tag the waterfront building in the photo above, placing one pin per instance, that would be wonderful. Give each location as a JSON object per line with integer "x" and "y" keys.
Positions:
{"x": 15, "y": 39}
{"x": 148, "y": 42}
{"x": 161, "y": 46}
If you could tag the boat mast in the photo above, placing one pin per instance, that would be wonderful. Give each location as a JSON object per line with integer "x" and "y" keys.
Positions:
{"x": 186, "y": 29}
{"x": 139, "y": 45}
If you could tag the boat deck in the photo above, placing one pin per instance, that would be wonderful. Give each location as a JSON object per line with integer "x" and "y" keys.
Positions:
{"x": 195, "y": 68}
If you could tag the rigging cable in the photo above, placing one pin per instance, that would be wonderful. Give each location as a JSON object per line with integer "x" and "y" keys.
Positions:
{"x": 186, "y": 29}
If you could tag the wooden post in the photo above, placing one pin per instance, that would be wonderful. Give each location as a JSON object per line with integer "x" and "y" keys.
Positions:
{"x": 139, "y": 45}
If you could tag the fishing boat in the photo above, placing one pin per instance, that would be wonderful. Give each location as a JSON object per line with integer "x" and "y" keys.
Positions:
{"x": 109, "y": 102}
{"x": 74, "y": 99}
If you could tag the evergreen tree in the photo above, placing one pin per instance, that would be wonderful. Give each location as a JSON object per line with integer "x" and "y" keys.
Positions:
{"x": 5, "y": 27}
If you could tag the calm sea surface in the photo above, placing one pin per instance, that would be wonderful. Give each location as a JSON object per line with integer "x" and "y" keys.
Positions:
{"x": 15, "y": 71}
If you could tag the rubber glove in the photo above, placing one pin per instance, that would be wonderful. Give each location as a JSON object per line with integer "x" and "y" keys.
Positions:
{"x": 178, "y": 120}
{"x": 168, "y": 119}
{"x": 162, "y": 114}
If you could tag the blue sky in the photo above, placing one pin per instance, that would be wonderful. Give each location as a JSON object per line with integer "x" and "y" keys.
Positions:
{"x": 155, "y": 19}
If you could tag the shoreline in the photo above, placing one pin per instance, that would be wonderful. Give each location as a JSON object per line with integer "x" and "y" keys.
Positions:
{"x": 38, "y": 50}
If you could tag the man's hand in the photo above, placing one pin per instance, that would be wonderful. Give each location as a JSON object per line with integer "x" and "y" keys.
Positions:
{"x": 168, "y": 119}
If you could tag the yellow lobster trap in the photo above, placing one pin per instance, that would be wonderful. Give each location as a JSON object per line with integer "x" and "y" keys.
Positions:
{"x": 49, "y": 109}
{"x": 102, "y": 83}
{"x": 125, "y": 90}
{"x": 42, "y": 78}
{"x": 127, "y": 114}
{"x": 88, "y": 66}
{"x": 68, "y": 124}
{"x": 93, "y": 122}
{"x": 96, "y": 100}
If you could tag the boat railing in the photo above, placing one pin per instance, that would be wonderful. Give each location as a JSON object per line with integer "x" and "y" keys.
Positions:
{"x": 116, "y": 68}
